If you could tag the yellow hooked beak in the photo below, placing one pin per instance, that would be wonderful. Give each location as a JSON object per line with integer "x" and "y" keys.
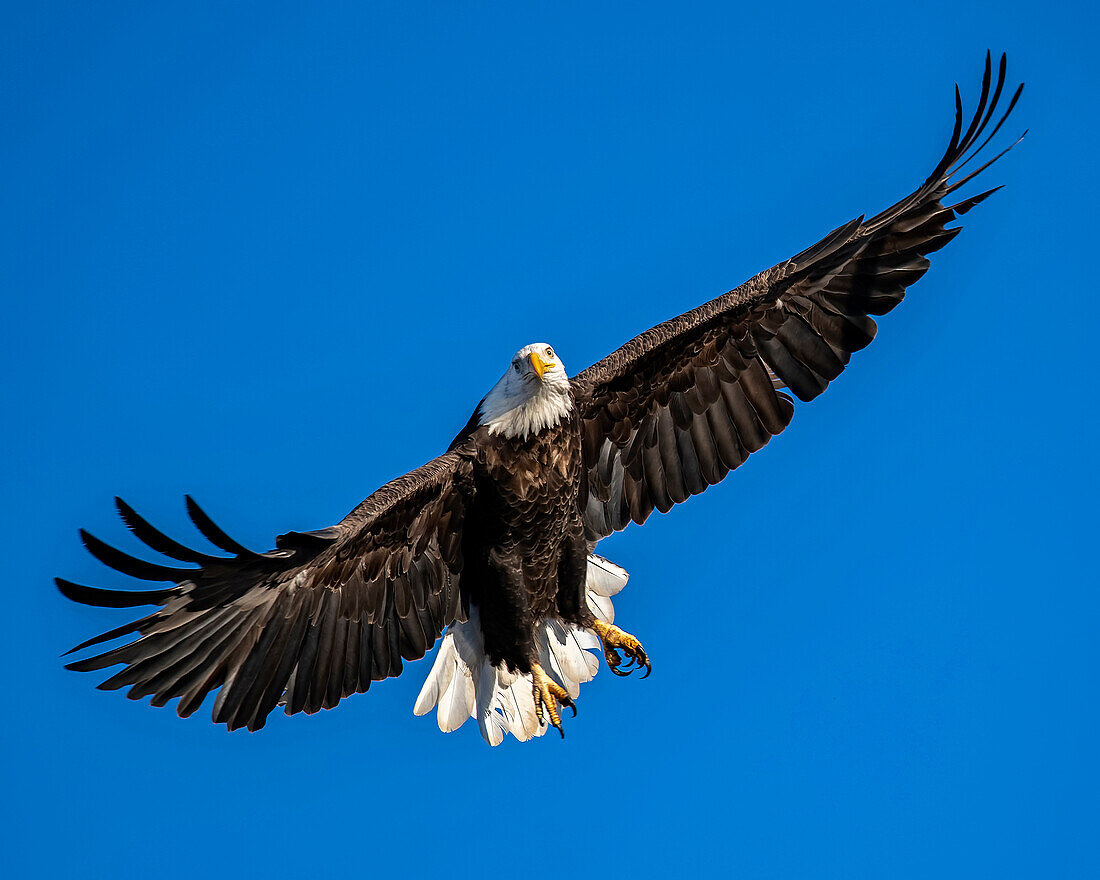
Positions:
{"x": 538, "y": 364}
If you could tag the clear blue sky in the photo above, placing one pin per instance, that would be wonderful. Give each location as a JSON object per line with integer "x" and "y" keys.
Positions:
{"x": 273, "y": 256}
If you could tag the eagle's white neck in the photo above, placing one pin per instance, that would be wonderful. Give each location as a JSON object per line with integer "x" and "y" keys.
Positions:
{"x": 516, "y": 407}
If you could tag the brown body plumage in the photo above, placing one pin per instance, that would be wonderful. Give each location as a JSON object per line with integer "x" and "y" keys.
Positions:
{"x": 525, "y": 552}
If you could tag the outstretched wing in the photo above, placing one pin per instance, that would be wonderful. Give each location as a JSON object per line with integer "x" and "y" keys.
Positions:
{"x": 313, "y": 621}
{"x": 680, "y": 406}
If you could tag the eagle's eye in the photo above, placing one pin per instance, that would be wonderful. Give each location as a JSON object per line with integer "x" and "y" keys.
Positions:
{"x": 549, "y": 352}
{"x": 516, "y": 366}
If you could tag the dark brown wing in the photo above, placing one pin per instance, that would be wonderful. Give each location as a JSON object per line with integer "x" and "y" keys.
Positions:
{"x": 678, "y": 407}
{"x": 313, "y": 621}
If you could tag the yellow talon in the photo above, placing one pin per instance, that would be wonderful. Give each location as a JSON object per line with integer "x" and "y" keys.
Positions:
{"x": 614, "y": 640}
{"x": 548, "y": 696}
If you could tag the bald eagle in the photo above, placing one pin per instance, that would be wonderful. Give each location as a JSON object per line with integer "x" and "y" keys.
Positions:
{"x": 490, "y": 546}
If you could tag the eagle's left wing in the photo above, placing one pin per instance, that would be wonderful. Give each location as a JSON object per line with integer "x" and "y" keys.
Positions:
{"x": 307, "y": 624}
{"x": 678, "y": 407}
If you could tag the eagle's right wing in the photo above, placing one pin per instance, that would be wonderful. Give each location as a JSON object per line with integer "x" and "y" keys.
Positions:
{"x": 677, "y": 408}
{"x": 313, "y": 621}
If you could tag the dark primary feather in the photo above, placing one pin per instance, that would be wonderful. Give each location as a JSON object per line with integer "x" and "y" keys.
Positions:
{"x": 307, "y": 624}
{"x": 678, "y": 407}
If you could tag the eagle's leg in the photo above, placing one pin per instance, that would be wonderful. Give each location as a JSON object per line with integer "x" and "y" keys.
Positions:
{"x": 615, "y": 640}
{"x": 549, "y": 695}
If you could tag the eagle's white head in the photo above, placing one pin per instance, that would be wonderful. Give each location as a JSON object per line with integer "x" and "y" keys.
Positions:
{"x": 531, "y": 396}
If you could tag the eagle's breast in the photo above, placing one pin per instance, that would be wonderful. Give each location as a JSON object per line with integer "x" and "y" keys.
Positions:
{"x": 536, "y": 469}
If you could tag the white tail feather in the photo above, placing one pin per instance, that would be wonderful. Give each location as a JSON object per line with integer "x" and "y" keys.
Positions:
{"x": 602, "y": 607}
{"x": 492, "y": 728}
{"x": 438, "y": 680}
{"x": 604, "y": 577}
{"x": 463, "y": 684}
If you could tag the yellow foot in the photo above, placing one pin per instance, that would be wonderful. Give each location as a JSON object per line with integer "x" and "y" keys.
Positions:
{"x": 549, "y": 695}
{"x": 614, "y": 639}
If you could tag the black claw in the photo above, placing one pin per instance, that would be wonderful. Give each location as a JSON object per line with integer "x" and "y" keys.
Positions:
{"x": 561, "y": 730}
{"x": 648, "y": 669}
